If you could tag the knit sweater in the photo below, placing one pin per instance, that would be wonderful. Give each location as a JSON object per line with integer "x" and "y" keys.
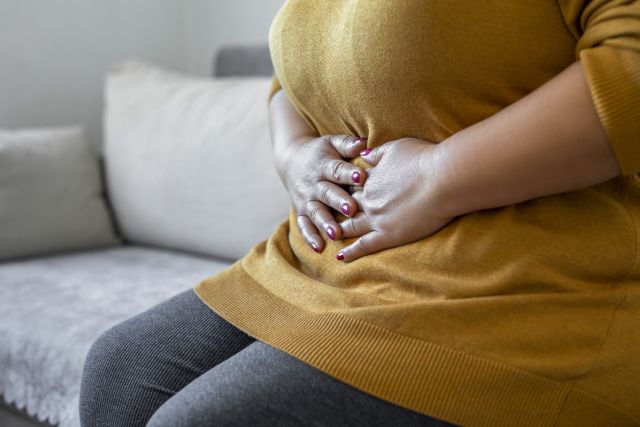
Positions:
{"x": 523, "y": 315}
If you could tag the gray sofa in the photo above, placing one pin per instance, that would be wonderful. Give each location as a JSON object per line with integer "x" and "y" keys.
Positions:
{"x": 53, "y": 306}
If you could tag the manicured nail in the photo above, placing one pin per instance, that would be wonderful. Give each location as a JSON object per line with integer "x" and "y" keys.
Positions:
{"x": 345, "y": 208}
{"x": 365, "y": 152}
{"x": 340, "y": 256}
{"x": 331, "y": 232}
{"x": 315, "y": 247}
{"x": 356, "y": 177}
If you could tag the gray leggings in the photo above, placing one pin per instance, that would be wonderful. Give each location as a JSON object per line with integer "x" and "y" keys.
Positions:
{"x": 179, "y": 364}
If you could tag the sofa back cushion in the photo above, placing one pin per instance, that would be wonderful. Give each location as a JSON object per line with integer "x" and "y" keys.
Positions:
{"x": 51, "y": 193}
{"x": 189, "y": 160}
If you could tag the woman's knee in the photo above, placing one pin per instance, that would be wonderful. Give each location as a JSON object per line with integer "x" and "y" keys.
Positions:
{"x": 109, "y": 375}
{"x": 107, "y": 355}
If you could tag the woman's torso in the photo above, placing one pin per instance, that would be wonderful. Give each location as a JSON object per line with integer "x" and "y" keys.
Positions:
{"x": 348, "y": 70}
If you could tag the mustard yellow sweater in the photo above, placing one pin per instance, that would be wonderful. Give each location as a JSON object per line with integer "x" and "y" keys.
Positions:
{"x": 525, "y": 315}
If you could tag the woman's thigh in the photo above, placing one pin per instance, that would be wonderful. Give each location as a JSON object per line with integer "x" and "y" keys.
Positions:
{"x": 262, "y": 386}
{"x": 135, "y": 366}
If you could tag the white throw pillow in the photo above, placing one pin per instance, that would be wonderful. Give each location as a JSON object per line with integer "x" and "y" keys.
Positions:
{"x": 50, "y": 193}
{"x": 189, "y": 160}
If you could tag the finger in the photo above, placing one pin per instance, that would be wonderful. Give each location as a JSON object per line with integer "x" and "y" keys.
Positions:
{"x": 355, "y": 226}
{"x": 365, "y": 245}
{"x": 358, "y": 197}
{"x": 348, "y": 146}
{"x": 323, "y": 220}
{"x": 359, "y": 187}
{"x": 336, "y": 197}
{"x": 373, "y": 156}
{"x": 310, "y": 233}
{"x": 341, "y": 172}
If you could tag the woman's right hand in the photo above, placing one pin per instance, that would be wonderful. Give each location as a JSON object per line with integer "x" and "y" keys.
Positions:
{"x": 313, "y": 170}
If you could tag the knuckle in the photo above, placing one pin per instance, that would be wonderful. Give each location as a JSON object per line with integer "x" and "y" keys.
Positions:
{"x": 303, "y": 225}
{"x": 314, "y": 173}
{"x": 336, "y": 142}
{"x": 351, "y": 225}
{"x": 336, "y": 169}
{"x": 298, "y": 208}
{"x": 363, "y": 245}
{"x": 325, "y": 195}
{"x": 314, "y": 212}
{"x": 379, "y": 207}
{"x": 396, "y": 144}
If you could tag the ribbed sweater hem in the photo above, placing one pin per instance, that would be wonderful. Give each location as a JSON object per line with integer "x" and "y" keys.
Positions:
{"x": 440, "y": 382}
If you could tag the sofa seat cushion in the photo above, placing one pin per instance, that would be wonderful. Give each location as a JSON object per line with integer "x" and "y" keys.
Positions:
{"x": 53, "y": 308}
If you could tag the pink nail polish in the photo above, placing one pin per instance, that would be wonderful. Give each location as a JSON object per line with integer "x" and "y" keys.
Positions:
{"x": 356, "y": 177}
{"x": 340, "y": 256}
{"x": 345, "y": 208}
{"x": 315, "y": 247}
{"x": 331, "y": 233}
{"x": 365, "y": 152}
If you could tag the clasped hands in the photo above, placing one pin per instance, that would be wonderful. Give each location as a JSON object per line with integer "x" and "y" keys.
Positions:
{"x": 394, "y": 202}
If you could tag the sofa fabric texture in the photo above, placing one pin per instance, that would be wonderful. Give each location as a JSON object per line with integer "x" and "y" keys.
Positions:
{"x": 189, "y": 162}
{"x": 233, "y": 61}
{"x": 44, "y": 340}
{"x": 51, "y": 194}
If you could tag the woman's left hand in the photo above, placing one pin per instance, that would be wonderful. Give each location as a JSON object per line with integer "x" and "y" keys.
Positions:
{"x": 401, "y": 200}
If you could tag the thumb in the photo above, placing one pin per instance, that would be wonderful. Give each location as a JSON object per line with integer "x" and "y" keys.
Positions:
{"x": 373, "y": 155}
{"x": 348, "y": 146}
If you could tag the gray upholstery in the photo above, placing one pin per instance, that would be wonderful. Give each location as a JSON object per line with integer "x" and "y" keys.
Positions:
{"x": 243, "y": 61}
{"x": 54, "y": 307}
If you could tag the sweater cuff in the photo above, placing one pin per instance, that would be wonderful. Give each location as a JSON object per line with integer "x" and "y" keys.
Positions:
{"x": 275, "y": 87}
{"x": 613, "y": 76}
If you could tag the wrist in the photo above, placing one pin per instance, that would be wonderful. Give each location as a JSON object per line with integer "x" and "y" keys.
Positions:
{"x": 284, "y": 152}
{"x": 437, "y": 162}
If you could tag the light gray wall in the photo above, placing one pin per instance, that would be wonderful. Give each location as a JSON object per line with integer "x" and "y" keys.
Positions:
{"x": 54, "y": 53}
{"x": 212, "y": 23}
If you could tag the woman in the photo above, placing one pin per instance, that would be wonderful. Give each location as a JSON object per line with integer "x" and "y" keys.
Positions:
{"x": 462, "y": 243}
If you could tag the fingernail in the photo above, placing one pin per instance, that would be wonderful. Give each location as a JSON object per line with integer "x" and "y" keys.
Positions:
{"x": 315, "y": 247}
{"x": 331, "y": 232}
{"x": 340, "y": 256}
{"x": 356, "y": 177}
{"x": 345, "y": 208}
{"x": 365, "y": 152}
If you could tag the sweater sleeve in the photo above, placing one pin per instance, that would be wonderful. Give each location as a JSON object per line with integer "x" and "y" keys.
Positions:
{"x": 275, "y": 87}
{"x": 608, "y": 47}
